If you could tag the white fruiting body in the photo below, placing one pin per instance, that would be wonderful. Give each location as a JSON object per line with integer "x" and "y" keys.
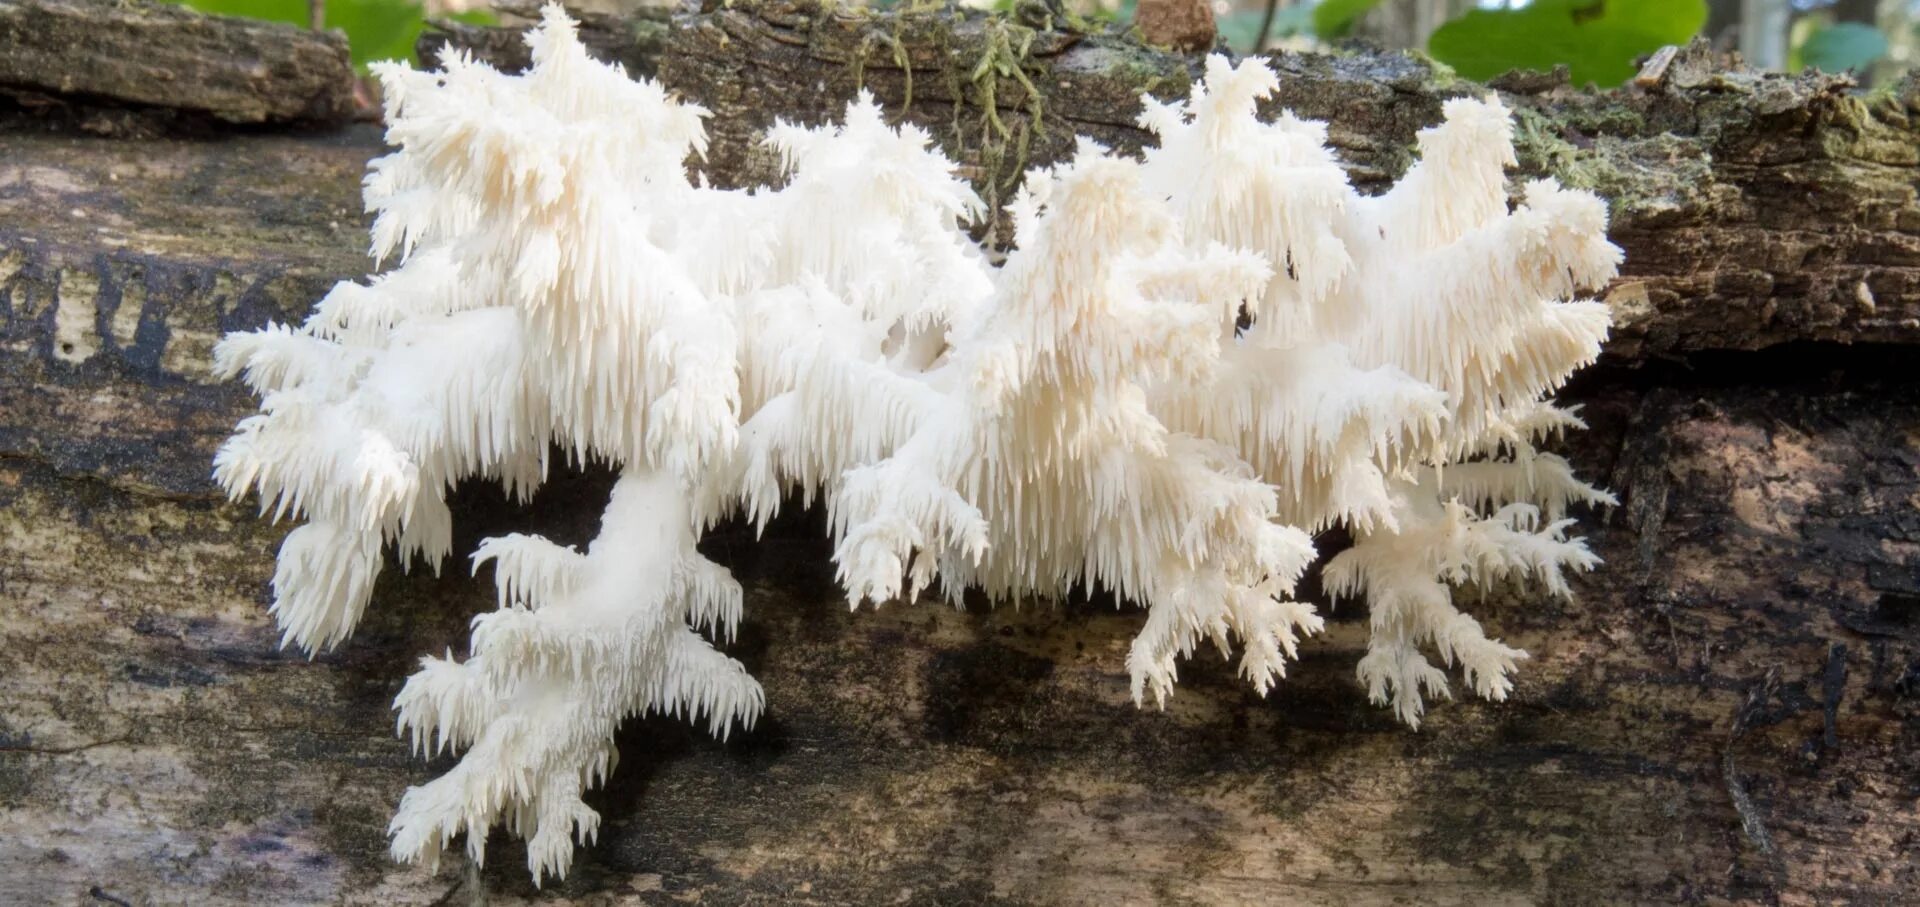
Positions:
{"x": 1186, "y": 365}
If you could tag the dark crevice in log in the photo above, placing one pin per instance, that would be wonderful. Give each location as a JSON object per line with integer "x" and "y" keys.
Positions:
{"x": 1810, "y": 365}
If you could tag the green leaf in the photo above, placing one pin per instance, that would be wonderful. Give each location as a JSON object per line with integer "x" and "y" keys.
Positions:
{"x": 1334, "y": 18}
{"x": 376, "y": 29}
{"x": 1842, "y": 46}
{"x": 1597, "y": 39}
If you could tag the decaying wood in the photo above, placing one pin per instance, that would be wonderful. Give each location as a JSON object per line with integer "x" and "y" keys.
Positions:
{"x": 634, "y": 40}
{"x": 1755, "y": 209}
{"x": 1728, "y": 712}
{"x": 171, "y": 58}
{"x": 1176, "y": 24}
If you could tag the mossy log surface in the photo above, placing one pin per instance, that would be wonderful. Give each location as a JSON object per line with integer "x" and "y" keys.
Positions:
{"x": 1728, "y": 712}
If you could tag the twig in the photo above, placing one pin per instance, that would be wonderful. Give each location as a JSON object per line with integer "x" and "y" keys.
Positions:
{"x": 100, "y": 894}
{"x": 1266, "y": 23}
{"x": 1655, "y": 70}
{"x": 1833, "y": 688}
{"x": 1750, "y": 820}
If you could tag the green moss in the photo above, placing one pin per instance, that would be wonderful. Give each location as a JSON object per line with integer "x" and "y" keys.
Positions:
{"x": 897, "y": 52}
{"x": 981, "y": 68}
{"x": 649, "y": 31}
{"x": 1646, "y": 176}
{"x": 1145, "y": 71}
{"x": 1610, "y": 119}
{"x": 1005, "y": 150}
{"x": 1441, "y": 77}
{"x": 1541, "y": 148}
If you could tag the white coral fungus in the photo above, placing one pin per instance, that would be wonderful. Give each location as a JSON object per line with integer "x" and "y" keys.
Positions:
{"x": 1187, "y": 364}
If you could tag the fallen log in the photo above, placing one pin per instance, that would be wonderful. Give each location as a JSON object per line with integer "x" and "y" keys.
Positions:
{"x": 171, "y": 59}
{"x": 1726, "y": 713}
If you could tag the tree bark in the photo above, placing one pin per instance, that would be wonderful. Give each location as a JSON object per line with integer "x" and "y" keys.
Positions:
{"x": 1727, "y": 712}
{"x": 171, "y": 60}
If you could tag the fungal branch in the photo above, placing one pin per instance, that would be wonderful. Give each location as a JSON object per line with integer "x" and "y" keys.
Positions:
{"x": 1187, "y": 364}
{"x": 580, "y": 643}
{"x": 538, "y": 299}
{"x": 1046, "y": 468}
{"x": 1394, "y": 380}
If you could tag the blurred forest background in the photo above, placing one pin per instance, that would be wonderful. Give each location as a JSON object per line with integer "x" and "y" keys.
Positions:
{"x": 1597, "y": 40}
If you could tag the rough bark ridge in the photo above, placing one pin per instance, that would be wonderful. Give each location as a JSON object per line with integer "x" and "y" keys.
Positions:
{"x": 171, "y": 58}
{"x": 1728, "y": 713}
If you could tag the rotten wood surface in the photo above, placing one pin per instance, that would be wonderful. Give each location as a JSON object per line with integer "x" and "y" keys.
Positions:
{"x": 1729, "y": 712}
{"x": 137, "y": 52}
